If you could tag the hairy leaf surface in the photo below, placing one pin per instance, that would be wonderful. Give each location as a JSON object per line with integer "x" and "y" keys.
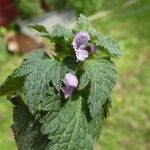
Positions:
{"x": 12, "y": 84}
{"x": 52, "y": 102}
{"x": 109, "y": 44}
{"x": 40, "y": 70}
{"x": 26, "y": 129}
{"x": 68, "y": 128}
{"x": 83, "y": 24}
{"x": 42, "y": 31}
{"x": 60, "y": 31}
{"x": 102, "y": 76}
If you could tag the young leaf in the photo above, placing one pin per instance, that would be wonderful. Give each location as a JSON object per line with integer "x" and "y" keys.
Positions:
{"x": 38, "y": 28}
{"x": 41, "y": 29}
{"x": 26, "y": 129}
{"x": 102, "y": 76}
{"x": 83, "y": 24}
{"x": 109, "y": 44}
{"x": 68, "y": 128}
{"x": 60, "y": 31}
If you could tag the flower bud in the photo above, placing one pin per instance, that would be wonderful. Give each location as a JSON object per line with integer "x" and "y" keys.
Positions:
{"x": 70, "y": 82}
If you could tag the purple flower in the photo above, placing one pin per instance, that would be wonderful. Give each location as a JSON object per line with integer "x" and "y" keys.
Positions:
{"x": 79, "y": 43}
{"x": 93, "y": 48}
{"x": 81, "y": 40}
{"x": 81, "y": 54}
{"x": 70, "y": 82}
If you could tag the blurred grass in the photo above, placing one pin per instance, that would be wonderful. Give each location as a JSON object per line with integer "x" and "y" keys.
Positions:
{"x": 128, "y": 126}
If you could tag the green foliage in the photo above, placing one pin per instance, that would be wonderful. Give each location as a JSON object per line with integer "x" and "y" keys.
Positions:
{"x": 42, "y": 31}
{"x": 11, "y": 84}
{"x": 54, "y": 4}
{"x": 68, "y": 128}
{"x": 74, "y": 123}
{"x": 60, "y": 31}
{"x": 85, "y": 6}
{"x": 104, "y": 43}
{"x": 28, "y": 9}
{"x": 102, "y": 76}
{"x": 26, "y": 128}
{"x": 40, "y": 70}
{"x": 110, "y": 45}
{"x": 3, "y": 52}
{"x": 39, "y": 28}
{"x": 83, "y": 24}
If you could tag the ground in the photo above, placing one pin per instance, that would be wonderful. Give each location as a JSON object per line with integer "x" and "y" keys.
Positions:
{"x": 128, "y": 126}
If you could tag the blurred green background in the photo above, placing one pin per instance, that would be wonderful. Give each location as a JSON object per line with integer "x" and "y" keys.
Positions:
{"x": 128, "y": 126}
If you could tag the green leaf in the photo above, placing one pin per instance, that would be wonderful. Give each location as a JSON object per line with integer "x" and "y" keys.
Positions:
{"x": 12, "y": 84}
{"x": 106, "y": 107}
{"x": 95, "y": 126}
{"x": 83, "y": 24}
{"x": 40, "y": 70}
{"x": 109, "y": 44}
{"x": 38, "y": 28}
{"x": 102, "y": 76}
{"x": 68, "y": 128}
{"x": 52, "y": 102}
{"x": 15, "y": 81}
{"x": 84, "y": 80}
{"x": 30, "y": 61}
{"x": 42, "y": 30}
{"x": 60, "y": 31}
{"x": 26, "y": 129}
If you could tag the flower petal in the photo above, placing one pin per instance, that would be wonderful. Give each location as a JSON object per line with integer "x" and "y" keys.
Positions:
{"x": 93, "y": 48}
{"x": 67, "y": 91}
{"x": 81, "y": 54}
{"x": 70, "y": 80}
{"x": 81, "y": 39}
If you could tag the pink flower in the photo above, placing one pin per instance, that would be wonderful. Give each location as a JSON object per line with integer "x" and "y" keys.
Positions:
{"x": 93, "y": 48}
{"x": 70, "y": 82}
{"x": 81, "y": 40}
{"x": 79, "y": 43}
{"x": 81, "y": 54}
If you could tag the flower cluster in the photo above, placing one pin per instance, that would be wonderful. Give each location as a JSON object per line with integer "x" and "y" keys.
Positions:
{"x": 80, "y": 44}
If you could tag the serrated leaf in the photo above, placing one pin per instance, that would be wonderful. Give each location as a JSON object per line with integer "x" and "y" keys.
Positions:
{"x": 109, "y": 44}
{"x": 40, "y": 70}
{"x": 83, "y": 24}
{"x": 60, "y": 31}
{"x": 36, "y": 83}
{"x": 26, "y": 129}
{"x": 68, "y": 128}
{"x": 106, "y": 107}
{"x": 102, "y": 76}
{"x": 11, "y": 84}
{"x": 38, "y": 28}
{"x": 52, "y": 102}
{"x": 42, "y": 31}
{"x": 29, "y": 62}
{"x": 95, "y": 126}
{"x": 58, "y": 72}
{"x": 84, "y": 80}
